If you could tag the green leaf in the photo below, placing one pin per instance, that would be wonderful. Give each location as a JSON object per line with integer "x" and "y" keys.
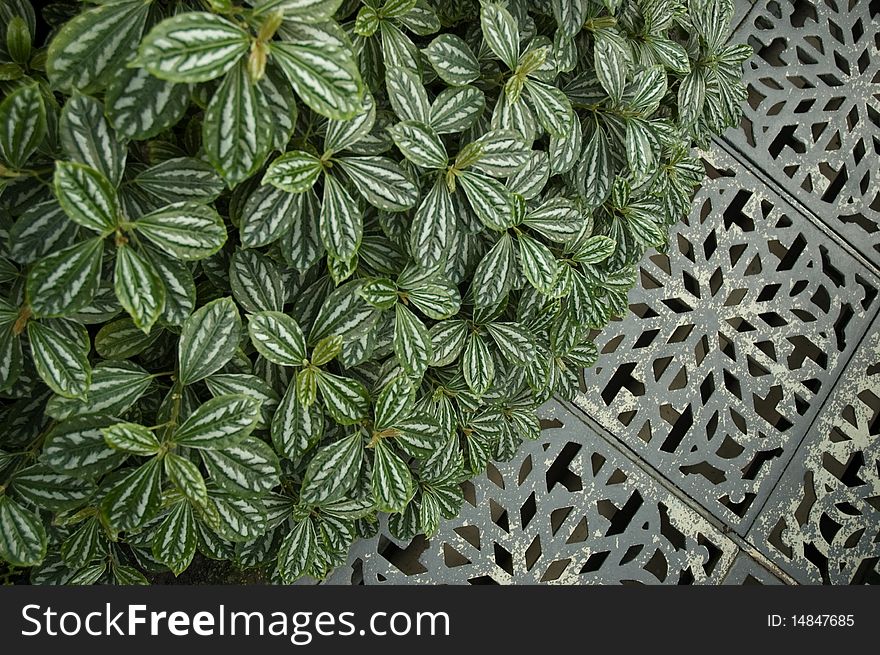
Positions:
{"x": 594, "y": 173}
{"x": 135, "y": 498}
{"x": 433, "y": 227}
{"x": 478, "y": 365}
{"x": 457, "y": 109}
{"x": 90, "y": 46}
{"x": 381, "y": 182}
{"x": 174, "y": 543}
{"x": 500, "y": 32}
{"x": 237, "y": 131}
{"x": 501, "y": 153}
{"x": 88, "y": 138}
{"x": 23, "y": 117}
{"x": 326, "y": 350}
{"x": 219, "y": 423}
{"x": 325, "y": 76}
{"x": 278, "y": 338}
{"x": 552, "y": 108}
{"x": 495, "y": 274}
{"x": 671, "y": 54}
{"x": 395, "y": 401}
{"x": 420, "y": 144}
{"x": 341, "y": 220}
{"x": 180, "y": 288}
{"x": 187, "y": 478}
{"x": 77, "y": 447}
{"x": 345, "y": 399}
{"x": 419, "y": 435}
{"x": 332, "y": 471}
{"x": 438, "y": 299}
{"x": 513, "y": 342}
{"x": 238, "y": 518}
{"x": 138, "y": 287}
{"x": 208, "y": 340}
{"x": 140, "y": 105}
{"x": 407, "y": 95}
{"x": 41, "y": 229}
{"x": 122, "y": 338}
{"x": 447, "y": 341}
{"x": 342, "y": 134}
{"x": 301, "y": 245}
{"x": 295, "y": 427}
{"x": 595, "y": 249}
{"x": 50, "y": 490}
{"x": 115, "y": 386}
{"x": 539, "y": 265}
{"x": 301, "y": 11}
{"x": 185, "y": 230}
{"x": 66, "y": 281}
{"x": 611, "y": 60}
{"x": 411, "y": 342}
{"x": 490, "y": 200}
{"x": 60, "y": 362}
{"x": 256, "y": 281}
{"x": 22, "y": 536}
{"x": 86, "y": 196}
{"x": 192, "y": 47}
{"x": 249, "y": 467}
{"x": 252, "y": 386}
{"x": 294, "y": 172}
{"x": 297, "y": 551}
{"x": 381, "y": 293}
{"x": 180, "y": 179}
{"x": 269, "y": 214}
{"x": 84, "y": 545}
{"x": 392, "y": 481}
{"x": 453, "y": 60}
{"x": 131, "y": 438}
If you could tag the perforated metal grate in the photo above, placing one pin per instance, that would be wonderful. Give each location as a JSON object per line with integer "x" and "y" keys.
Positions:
{"x": 730, "y": 432}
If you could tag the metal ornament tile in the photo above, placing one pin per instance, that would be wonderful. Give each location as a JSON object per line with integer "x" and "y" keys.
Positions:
{"x": 813, "y": 117}
{"x": 735, "y": 338}
{"x": 822, "y": 524}
{"x": 568, "y": 509}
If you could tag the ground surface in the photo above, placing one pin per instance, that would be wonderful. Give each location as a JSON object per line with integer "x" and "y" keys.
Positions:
{"x": 730, "y": 432}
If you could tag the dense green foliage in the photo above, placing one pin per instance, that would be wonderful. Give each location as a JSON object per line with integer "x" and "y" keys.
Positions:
{"x": 270, "y": 269}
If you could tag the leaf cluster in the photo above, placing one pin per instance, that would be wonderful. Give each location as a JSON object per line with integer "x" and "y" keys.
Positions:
{"x": 271, "y": 268}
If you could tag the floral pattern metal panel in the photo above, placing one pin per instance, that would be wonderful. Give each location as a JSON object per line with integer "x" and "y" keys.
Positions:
{"x": 812, "y": 121}
{"x": 737, "y": 334}
{"x": 822, "y": 524}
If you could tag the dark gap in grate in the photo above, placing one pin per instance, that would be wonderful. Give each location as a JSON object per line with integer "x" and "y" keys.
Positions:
{"x": 622, "y": 379}
{"x": 679, "y": 429}
{"x": 657, "y": 566}
{"x": 482, "y": 580}
{"x": 672, "y": 534}
{"x": 503, "y": 558}
{"x": 470, "y": 533}
{"x": 406, "y": 560}
{"x": 622, "y": 517}
{"x": 560, "y": 473}
{"x": 528, "y": 510}
{"x": 594, "y": 562}
{"x": 750, "y": 472}
{"x": 733, "y": 213}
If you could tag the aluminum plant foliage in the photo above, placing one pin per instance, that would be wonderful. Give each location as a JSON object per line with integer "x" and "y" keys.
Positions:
{"x": 274, "y": 269}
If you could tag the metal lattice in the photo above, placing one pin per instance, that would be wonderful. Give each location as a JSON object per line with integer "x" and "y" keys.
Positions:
{"x": 740, "y": 327}
{"x": 730, "y": 432}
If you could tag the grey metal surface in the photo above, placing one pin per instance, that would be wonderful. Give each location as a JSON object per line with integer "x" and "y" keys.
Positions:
{"x": 739, "y": 331}
{"x": 730, "y": 432}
